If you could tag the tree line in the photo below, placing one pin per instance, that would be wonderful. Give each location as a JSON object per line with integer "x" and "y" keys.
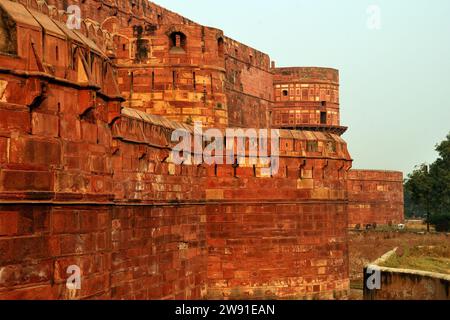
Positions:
{"x": 427, "y": 190}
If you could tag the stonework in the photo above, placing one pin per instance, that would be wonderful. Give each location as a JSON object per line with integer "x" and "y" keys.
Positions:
{"x": 405, "y": 284}
{"x": 86, "y": 176}
{"x": 375, "y": 198}
{"x": 307, "y": 98}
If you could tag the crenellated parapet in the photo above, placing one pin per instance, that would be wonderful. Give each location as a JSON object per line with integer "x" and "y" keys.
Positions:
{"x": 43, "y": 50}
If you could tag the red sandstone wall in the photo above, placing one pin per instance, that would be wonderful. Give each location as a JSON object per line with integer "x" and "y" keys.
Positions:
{"x": 278, "y": 251}
{"x": 376, "y": 197}
{"x": 218, "y": 86}
{"x": 155, "y": 249}
{"x": 302, "y": 94}
{"x": 151, "y": 243}
{"x": 184, "y": 85}
{"x": 83, "y": 182}
{"x": 248, "y": 86}
{"x": 123, "y": 252}
{"x": 301, "y": 207}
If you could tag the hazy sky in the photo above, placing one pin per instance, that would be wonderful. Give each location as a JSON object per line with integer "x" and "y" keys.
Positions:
{"x": 395, "y": 81}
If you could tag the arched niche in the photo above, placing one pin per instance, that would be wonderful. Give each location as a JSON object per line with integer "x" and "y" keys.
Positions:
{"x": 177, "y": 42}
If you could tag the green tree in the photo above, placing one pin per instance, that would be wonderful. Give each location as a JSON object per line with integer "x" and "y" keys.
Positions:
{"x": 427, "y": 189}
{"x": 418, "y": 188}
{"x": 440, "y": 177}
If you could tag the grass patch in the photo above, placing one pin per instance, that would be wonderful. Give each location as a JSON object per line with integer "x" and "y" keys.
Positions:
{"x": 425, "y": 258}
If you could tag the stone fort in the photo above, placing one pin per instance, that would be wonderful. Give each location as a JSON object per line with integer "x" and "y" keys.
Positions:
{"x": 86, "y": 176}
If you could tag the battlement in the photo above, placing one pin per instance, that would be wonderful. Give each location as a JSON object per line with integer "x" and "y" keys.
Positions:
{"x": 307, "y": 74}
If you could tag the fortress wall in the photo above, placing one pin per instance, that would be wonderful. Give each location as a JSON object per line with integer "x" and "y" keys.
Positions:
{"x": 87, "y": 178}
{"x": 105, "y": 196}
{"x": 76, "y": 190}
{"x": 233, "y": 85}
{"x": 124, "y": 252}
{"x": 248, "y": 86}
{"x": 280, "y": 237}
{"x": 61, "y": 205}
{"x": 376, "y": 197}
{"x": 252, "y": 218}
{"x": 185, "y": 84}
{"x": 285, "y": 250}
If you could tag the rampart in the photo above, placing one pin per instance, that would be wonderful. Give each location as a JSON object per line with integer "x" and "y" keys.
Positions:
{"x": 87, "y": 176}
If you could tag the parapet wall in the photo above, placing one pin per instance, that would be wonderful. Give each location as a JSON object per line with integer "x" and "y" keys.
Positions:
{"x": 405, "y": 284}
{"x": 375, "y": 198}
{"x": 410, "y": 285}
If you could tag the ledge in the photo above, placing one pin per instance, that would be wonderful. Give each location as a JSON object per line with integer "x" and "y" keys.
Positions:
{"x": 376, "y": 265}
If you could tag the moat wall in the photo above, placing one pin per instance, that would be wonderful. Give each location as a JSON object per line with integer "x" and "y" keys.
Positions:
{"x": 410, "y": 285}
{"x": 405, "y": 284}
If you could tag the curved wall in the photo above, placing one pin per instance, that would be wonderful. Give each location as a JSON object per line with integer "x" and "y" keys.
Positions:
{"x": 306, "y": 97}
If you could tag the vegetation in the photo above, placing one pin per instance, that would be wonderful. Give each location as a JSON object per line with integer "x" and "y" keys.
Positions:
{"x": 432, "y": 259}
{"x": 427, "y": 190}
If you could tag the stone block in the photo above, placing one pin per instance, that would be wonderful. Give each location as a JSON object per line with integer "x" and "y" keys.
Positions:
{"x": 44, "y": 124}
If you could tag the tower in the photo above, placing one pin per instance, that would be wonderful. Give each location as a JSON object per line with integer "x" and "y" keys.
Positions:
{"x": 307, "y": 98}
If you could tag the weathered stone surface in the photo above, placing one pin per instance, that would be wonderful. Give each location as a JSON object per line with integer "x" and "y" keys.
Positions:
{"x": 406, "y": 284}
{"x": 375, "y": 198}
{"x": 86, "y": 176}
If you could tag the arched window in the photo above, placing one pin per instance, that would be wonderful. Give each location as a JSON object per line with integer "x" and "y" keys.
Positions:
{"x": 177, "y": 42}
{"x": 220, "y": 46}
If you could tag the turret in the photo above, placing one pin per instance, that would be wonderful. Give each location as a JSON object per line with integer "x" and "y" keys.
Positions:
{"x": 307, "y": 98}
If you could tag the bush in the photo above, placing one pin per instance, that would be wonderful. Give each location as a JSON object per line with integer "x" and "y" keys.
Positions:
{"x": 441, "y": 222}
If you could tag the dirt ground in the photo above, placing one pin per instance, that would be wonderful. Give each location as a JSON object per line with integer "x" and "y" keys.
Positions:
{"x": 367, "y": 246}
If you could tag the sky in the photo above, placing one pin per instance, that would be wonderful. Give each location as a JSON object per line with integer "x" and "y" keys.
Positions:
{"x": 393, "y": 57}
